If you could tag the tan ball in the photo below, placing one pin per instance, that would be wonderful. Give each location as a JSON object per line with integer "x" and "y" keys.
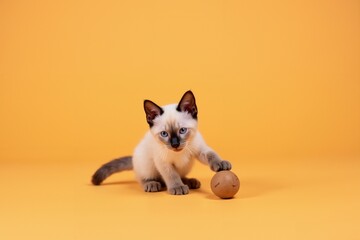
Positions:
{"x": 225, "y": 184}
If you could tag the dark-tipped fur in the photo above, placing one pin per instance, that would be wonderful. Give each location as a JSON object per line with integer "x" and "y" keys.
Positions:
{"x": 116, "y": 165}
{"x": 188, "y": 104}
{"x": 152, "y": 110}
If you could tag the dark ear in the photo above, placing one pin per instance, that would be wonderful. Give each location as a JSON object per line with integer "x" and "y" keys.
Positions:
{"x": 188, "y": 104}
{"x": 152, "y": 111}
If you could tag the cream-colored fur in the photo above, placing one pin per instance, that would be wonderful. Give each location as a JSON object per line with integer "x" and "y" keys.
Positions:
{"x": 152, "y": 159}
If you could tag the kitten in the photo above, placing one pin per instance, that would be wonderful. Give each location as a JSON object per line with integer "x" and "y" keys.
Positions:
{"x": 166, "y": 154}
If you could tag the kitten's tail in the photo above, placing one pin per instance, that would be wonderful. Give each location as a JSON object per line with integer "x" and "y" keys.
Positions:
{"x": 116, "y": 165}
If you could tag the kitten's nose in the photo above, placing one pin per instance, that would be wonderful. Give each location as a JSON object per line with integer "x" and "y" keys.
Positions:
{"x": 174, "y": 141}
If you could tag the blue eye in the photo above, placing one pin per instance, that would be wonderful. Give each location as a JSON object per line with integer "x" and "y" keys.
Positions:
{"x": 183, "y": 130}
{"x": 163, "y": 134}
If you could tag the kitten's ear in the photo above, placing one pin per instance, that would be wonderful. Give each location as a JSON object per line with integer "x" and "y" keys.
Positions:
{"x": 188, "y": 104}
{"x": 152, "y": 111}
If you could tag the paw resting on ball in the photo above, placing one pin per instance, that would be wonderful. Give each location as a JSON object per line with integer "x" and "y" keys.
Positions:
{"x": 220, "y": 166}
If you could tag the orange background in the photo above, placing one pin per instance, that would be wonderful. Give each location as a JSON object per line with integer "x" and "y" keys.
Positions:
{"x": 278, "y": 91}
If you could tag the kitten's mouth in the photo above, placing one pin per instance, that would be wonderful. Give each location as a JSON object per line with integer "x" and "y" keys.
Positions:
{"x": 176, "y": 149}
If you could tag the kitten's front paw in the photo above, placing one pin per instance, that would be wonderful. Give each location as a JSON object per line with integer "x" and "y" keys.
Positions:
{"x": 180, "y": 190}
{"x": 221, "y": 166}
{"x": 152, "y": 186}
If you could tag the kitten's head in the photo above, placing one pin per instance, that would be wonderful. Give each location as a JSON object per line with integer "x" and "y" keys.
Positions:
{"x": 173, "y": 125}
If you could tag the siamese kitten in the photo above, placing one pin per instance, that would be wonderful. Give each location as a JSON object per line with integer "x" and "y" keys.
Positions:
{"x": 166, "y": 154}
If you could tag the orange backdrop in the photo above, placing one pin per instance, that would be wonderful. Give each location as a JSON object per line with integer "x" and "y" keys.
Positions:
{"x": 273, "y": 79}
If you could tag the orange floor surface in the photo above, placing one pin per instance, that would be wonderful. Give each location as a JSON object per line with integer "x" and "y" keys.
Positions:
{"x": 297, "y": 199}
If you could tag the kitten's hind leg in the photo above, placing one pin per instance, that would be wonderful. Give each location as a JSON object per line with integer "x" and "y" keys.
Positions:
{"x": 152, "y": 185}
{"x": 192, "y": 183}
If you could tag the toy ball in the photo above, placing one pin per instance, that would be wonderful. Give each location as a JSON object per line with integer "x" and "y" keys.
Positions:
{"x": 225, "y": 184}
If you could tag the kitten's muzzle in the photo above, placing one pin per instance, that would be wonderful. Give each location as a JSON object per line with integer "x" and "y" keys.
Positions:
{"x": 175, "y": 142}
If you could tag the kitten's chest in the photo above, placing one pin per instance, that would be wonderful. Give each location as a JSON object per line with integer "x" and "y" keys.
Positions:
{"x": 182, "y": 162}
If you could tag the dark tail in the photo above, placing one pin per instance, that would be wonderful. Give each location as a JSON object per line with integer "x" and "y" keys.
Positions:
{"x": 116, "y": 165}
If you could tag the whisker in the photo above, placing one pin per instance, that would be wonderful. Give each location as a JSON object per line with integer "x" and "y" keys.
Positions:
{"x": 189, "y": 149}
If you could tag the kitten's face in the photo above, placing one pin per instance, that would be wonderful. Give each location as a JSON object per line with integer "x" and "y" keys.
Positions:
{"x": 174, "y": 129}
{"x": 173, "y": 125}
